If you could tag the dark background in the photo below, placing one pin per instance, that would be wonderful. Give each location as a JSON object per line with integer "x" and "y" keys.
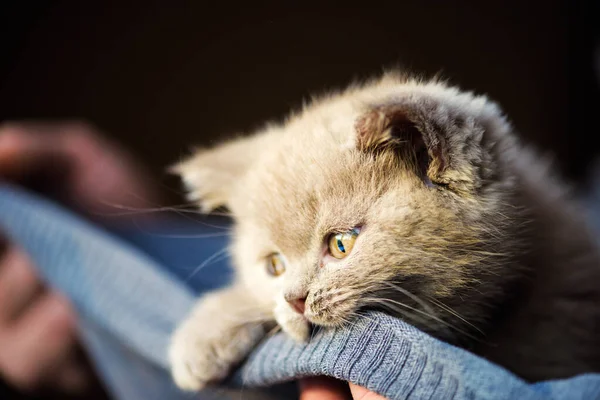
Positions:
{"x": 161, "y": 76}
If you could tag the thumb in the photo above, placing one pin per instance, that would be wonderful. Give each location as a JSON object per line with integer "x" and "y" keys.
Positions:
{"x": 322, "y": 388}
{"x": 360, "y": 393}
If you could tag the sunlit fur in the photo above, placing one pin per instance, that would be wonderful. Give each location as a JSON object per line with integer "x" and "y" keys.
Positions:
{"x": 483, "y": 252}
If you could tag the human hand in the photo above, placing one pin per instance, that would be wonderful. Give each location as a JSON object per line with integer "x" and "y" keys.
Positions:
{"x": 71, "y": 162}
{"x": 324, "y": 388}
{"x": 37, "y": 330}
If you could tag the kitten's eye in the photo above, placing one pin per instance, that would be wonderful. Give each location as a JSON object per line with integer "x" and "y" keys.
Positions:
{"x": 341, "y": 244}
{"x": 275, "y": 264}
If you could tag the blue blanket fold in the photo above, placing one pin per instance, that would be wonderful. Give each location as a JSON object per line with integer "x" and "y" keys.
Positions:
{"x": 135, "y": 297}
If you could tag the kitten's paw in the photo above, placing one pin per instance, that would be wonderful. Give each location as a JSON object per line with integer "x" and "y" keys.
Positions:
{"x": 200, "y": 357}
{"x": 194, "y": 360}
{"x": 292, "y": 323}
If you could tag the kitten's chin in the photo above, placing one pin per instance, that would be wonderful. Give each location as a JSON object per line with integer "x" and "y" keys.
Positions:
{"x": 328, "y": 323}
{"x": 332, "y": 322}
{"x": 327, "y": 318}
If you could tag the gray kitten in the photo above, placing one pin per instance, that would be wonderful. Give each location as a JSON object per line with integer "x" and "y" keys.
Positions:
{"x": 404, "y": 195}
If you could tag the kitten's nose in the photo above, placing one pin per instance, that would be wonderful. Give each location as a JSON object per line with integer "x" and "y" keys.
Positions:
{"x": 297, "y": 303}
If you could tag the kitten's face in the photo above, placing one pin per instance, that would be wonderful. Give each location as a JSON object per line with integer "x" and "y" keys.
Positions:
{"x": 298, "y": 204}
{"x": 386, "y": 196}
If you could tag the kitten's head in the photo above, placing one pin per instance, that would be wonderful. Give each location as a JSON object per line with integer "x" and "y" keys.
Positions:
{"x": 395, "y": 194}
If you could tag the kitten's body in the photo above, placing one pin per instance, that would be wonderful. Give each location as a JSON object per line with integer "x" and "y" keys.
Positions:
{"x": 463, "y": 233}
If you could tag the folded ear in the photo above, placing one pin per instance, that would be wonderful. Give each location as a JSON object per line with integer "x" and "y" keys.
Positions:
{"x": 447, "y": 144}
{"x": 210, "y": 175}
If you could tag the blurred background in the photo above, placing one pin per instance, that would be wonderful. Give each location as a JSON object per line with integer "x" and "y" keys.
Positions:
{"x": 160, "y": 76}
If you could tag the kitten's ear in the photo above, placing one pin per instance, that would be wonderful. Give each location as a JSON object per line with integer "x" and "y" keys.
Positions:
{"x": 449, "y": 145}
{"x": 210, "y": 175}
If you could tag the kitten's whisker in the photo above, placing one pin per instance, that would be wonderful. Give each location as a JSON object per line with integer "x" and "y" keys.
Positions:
{"x": 360, "y": 315}
{"x": 179, "y": 211}
{"x": 312, "y": 333}
{"x": 215, "y": 259}
{"x": 226, "y": 231}
{"x": 143, "y": 211}
{"x": 184, "y": 207}
{"x": 177, "y": 208}
{"x": 421, "y": 302}
{"x": 455, "y": 313}
{"x": 433, "y": 317}
{"x": 402, "y": 312}
{"x": 341, "y": 297}
{"x": 190, "y": 236}
{"x": 355, "y": 316}
{"x": 207, "y": 262}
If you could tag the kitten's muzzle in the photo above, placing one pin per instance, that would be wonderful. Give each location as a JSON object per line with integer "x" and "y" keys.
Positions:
{"x": 297, "y": 303}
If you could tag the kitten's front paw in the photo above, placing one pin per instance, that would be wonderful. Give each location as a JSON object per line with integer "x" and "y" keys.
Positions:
{"x": 194, "y": 360}
{"x": 203, "y": 356}
{"x": 292, "y": 323}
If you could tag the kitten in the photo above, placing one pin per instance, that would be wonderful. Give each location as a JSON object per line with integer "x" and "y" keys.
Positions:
{"x": 403, "y": 195}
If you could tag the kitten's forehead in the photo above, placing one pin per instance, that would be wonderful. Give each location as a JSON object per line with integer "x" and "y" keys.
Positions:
{"x": 286, "y": 195}
{"x": 301, "y": 191}
{"x": 310, "y": 178}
